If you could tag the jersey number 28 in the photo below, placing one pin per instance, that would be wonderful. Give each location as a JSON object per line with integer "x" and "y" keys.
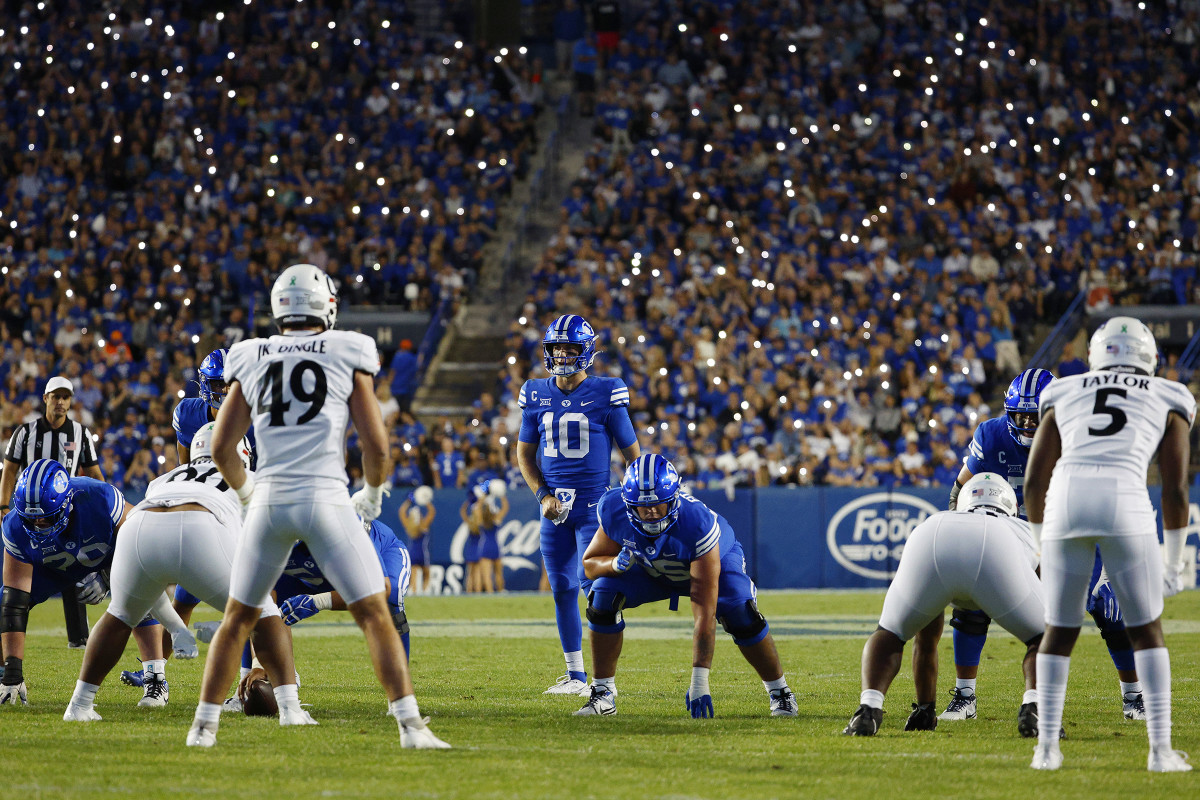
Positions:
{"x": 563, "y": 429}
{"x": 271, "y": 396}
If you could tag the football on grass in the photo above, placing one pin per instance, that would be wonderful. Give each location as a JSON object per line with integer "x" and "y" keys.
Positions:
{"x": 260, "y": 700}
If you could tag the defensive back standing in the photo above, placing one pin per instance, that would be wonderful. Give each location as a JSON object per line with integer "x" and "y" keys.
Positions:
{"x": 303, "y": 384}
{"x": 1085, "y": 486}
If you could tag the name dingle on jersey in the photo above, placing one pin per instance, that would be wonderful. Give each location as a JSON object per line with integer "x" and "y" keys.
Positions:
{"x": 265, "y": 350}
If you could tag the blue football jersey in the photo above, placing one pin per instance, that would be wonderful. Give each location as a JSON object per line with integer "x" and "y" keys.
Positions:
{"x": 993, "y": 449}
{"x": 85, "y": 545}
{"x": 303, "y": 567}
{"x": 191, "y": 415}
{"x": 669, "y": 556}
{"x": 576, "y": 430}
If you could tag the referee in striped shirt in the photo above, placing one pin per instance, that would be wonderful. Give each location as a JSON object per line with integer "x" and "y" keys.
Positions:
{"x": 70, "y": 444}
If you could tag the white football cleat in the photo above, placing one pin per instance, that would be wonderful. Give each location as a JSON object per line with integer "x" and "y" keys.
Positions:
{"x": 76, "y": 713}
{"x": 1046, "y": 757}
{"x": 184, "y": 645}
{"x": 155, "y": 694}
{"x": 201, "y": 735}
{"x": 962, "y": 706}
{"x": 415, "y": 735}
{"x": 783, "y": 703}
{"x": 295, "y": 716}
{"x": 602, "y": 702}
{"x": 1167, "y": 760}
{"x": 568, "y": 685}
{"x": 1134, "y": 706}
{"x": 232, "y": 705}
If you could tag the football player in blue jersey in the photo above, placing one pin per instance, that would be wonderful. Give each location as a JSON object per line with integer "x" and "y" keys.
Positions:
{"x": 308, "y": 593}
{"x": 1001, "y": 445}
{"x": 655, "y": 543}
{"x": 60, "y": 534}
{"x": 416, "y": 515}
{"x": 569, "y": 423}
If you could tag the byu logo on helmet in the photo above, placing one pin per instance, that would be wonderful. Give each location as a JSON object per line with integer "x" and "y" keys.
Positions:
{"x": 569, "y": 345}
{"x": 651, "y": 481}
{"x": 42, "y": 499}
{"x": 211, "y": 377}
{"x": 1021, "y": 404}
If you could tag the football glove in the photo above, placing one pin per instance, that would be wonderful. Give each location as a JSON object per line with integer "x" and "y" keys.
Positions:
{"x": 701, "y": 707}
{"x": 368, "y": 501}
{"x": 1173, "y": 580}
{"x": 623, "y": 561}
{"x": 93, "y": 588}
{"x": 297, "y": 608}
{"x": 1104, "y": 600}
{"x": 11, "y": 695}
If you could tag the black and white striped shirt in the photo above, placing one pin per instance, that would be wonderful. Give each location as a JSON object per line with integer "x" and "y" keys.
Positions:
{"x": 71, "y": 445}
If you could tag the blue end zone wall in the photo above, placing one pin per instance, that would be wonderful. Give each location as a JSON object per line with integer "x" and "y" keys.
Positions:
{"x": 815, "y": 538}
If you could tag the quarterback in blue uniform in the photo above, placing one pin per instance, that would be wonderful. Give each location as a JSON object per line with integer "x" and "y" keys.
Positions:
{"x": 59, "y": 535}
{"x": 1001, "y": 445}
{"x": 569, "y": 423}
{"x": 307, "y": 592}
{"x": 655, "y": 543}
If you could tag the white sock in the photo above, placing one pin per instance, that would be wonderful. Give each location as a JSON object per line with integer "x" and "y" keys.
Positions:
{"x": 1131, "y": 688}
{"x": 607, "y": 683}
{"x": 287, "y": 695}
{"x": 404, "y": 707}
{"x": 574, "y": 661}
{"x": 1030, "y": 696}
{"x": 208, "y": 713}
{"x": 242, "y": 673}
{"x": 779, "y": 683}
{"x": 1154, "y": 667}
{"x": 1052, "y": 674}
{"x": 965, "y": 685}
{"x": 156, "y": 667}
{"x": 85, "y": 694}
{"x": 872, "y": 698}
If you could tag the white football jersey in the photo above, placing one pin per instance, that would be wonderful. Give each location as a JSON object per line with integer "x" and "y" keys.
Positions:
{"x": 199, "y": 482}
{"x": 1114, "y": 420}
{"x": 298, "y": 385}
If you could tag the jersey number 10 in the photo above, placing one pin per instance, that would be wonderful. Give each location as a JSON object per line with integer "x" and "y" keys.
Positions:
{"x": 271, "y": 400}
{"x": 564, "y": 447}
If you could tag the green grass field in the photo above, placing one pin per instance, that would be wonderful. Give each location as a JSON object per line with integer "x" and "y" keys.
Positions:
{"x": 480, "y": 665}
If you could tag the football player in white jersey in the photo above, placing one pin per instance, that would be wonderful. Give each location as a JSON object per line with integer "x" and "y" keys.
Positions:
{"x": 185, "y": 531}
{"x": 300, "y": 388}
{"x": 1085, "y": 485}
{"x": 980, "y": 556}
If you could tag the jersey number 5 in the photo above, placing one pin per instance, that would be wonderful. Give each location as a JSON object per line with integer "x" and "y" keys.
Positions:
{"x": 1118, "y": 418}
{"x": 271, "y": 400}
{"x": 564, "y": 447}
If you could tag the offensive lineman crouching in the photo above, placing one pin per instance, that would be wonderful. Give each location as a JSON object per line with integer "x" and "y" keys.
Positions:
{"x": 655, "y": 543}
{"x": 978, "y": 557}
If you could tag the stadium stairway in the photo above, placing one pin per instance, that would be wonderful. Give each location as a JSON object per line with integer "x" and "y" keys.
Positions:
{"x": 471, "y": 353}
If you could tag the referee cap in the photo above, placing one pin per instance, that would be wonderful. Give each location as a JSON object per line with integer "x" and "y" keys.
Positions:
{"x": 58, "y": 382}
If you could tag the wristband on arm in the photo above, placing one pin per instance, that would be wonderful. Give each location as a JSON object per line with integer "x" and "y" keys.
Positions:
{"x": 542, "y": 493}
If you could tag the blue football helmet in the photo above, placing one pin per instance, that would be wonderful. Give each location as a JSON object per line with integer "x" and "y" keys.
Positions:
{"x": 650, "y": 481}
{"x": 569, "y": 329}
{"x": 42, "y": 499}
{"x": 212, "y": 378}
{"x": 1021, "y": 404}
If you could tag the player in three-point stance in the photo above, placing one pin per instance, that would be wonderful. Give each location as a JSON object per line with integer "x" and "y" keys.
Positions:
{"x": 300, "y": 387}
{"x": 569, "y": 423}
{"x": 656, "y": 543}
{"x": 1086, "y": 486}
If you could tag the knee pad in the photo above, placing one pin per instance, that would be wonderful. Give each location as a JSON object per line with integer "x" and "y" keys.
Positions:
{"x": 1112, "y": 631}
{"x": 746, "y": 625}
{"x": 16, "y": 604}
{"x": 974, "y": 623}
{"x": 400, "y": 621}
{"x": 604, "y": 612}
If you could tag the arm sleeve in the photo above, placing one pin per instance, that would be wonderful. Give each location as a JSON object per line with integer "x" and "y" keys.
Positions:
{"x": 529, "y": 429}
{"x": 87, "y": 449}
{"x": 368, "y": 357}
{"x": 1047, "y": 400}
{"x": 235, "y": 366}
{"x": 184, "y": 439}
{"x": 115, "y": 502}
{"x": 16, "y": 444}
{"x": 1181, "y": 401}
{"x": 621, "y": 426}
{"x": 711, "y": 537}
{"x": 12, "y": 549}
{"x": 521, "y": 398}
{"x": 975, "y": 453}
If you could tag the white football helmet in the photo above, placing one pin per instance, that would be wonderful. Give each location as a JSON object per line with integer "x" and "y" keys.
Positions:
{"x": 304, "y": 294}
{"x": 1123, "y": 342}
{"x": 988, "y": 490}
{"x": 423, "y": 495}
{"x": 202, "y": 445}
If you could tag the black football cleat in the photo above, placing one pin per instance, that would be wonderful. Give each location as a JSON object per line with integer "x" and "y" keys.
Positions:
{"x": 865, "y": 722}
{"x": 923, "y": 718}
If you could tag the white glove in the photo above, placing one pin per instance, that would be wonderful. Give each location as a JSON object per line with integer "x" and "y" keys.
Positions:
{"x": 10, "y": 695}
{"x": 1172, "y": 580}
{"x": 184, "y": 645}
{"x": 93, "y": 588}
{"x": 566, "y": 501}
{"x": 368, "y": 501}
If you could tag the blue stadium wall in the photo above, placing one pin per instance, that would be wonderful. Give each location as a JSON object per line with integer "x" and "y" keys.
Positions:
{"x": 814, "y": 538}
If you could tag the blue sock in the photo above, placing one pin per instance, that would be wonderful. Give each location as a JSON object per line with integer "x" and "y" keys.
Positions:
{"x": 967, "y": 647}
{"x": 247, "y": 658}
{"x": 1122, "y": 659}
{"x": 404, "y": 641}
{"x": 566, "y": 613}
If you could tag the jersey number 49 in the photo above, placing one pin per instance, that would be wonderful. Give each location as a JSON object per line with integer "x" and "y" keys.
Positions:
{"x": 271, "y": 399}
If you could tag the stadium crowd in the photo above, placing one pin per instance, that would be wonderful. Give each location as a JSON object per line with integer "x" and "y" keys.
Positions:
{"x": 815, "y": 238}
